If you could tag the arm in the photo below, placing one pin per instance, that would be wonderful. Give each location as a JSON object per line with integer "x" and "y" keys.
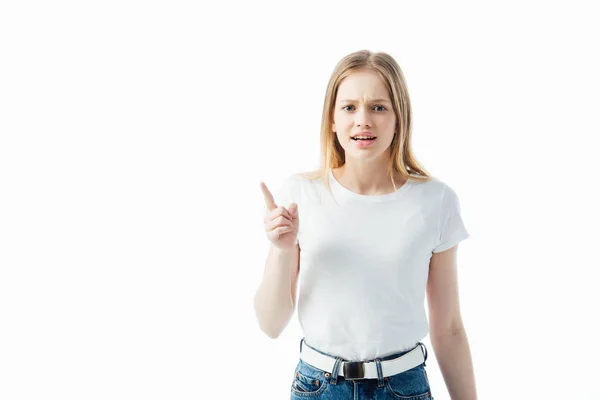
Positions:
{"x": 448, "y": 335}
{"x": 275, "y": 299}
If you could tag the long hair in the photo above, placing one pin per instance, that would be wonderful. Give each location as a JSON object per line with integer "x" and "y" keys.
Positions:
{"x": 402, "y": 160}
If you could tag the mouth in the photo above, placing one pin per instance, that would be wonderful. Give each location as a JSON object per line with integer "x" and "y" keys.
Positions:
{"x": 365, "y": 142}
{"x": 363, "y": 136}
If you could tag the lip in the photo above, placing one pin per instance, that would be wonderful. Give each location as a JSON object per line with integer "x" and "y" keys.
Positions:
{"x": 364, "y": 143}
{"x": 364, "y": 133}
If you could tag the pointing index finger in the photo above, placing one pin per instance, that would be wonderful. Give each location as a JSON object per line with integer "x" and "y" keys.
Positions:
{"x": 269, "y": 200}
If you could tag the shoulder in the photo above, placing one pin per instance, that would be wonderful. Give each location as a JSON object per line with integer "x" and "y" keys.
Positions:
{"x": 301, "y": 179}
{"x": 431, "y": 187}
{"x": 437, "y": 193}
{"x": 447, "y": 198}
{"x": 308, "y": 175}
{"x": 295, "y": 182}
{"x": 308, "y": 187}
{"x": 435, "y": 184}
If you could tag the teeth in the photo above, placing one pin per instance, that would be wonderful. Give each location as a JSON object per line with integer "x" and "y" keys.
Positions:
{"x": 363, "y": 137}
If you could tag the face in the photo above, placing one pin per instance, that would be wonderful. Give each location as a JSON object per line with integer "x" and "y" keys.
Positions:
{"x": 364, "y": 104}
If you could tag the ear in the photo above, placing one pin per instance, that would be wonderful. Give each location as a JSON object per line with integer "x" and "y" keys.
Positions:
{"x": 333, "y": 127}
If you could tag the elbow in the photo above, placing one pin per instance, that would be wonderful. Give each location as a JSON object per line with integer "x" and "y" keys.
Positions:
{"x": 271, "y": 333}
{"x": 268, "y": 326}
{"x": 447, "y": 334}
{"x": 268, "y": 329}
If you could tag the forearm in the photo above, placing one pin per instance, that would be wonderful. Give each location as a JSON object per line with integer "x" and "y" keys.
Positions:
{"x": 454, "y": 359}
{"x": 273, "y": 300}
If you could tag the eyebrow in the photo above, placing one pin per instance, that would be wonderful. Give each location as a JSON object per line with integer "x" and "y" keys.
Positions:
{"x": 376, "y": 100}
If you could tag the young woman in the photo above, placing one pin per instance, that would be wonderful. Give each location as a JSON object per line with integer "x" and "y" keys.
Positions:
{"x": 377, "y": 233}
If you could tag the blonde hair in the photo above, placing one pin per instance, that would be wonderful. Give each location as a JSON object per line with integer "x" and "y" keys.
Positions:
{"x": 402, "y": 160}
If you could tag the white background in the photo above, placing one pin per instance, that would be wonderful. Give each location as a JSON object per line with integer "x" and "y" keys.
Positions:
{"x": 134, "y": 136}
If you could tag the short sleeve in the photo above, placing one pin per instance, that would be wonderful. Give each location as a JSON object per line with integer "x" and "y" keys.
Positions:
{"x": 451, "y": 226}
{"x": 286, "y": 194}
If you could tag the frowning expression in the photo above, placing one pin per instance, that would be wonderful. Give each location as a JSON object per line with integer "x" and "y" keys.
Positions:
{"x": 363, "y": 118}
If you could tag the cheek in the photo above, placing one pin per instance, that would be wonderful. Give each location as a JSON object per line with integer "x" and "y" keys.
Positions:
{"x": 343, "y": 123}
{"x": 342, "y": 139}
{"x": 340, "y": 117}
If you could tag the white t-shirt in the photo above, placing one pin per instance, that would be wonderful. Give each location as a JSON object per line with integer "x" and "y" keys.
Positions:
{"x": 364, "y": 262}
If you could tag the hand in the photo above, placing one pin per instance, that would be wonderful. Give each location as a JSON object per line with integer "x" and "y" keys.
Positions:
{"x": 281, "y": 225}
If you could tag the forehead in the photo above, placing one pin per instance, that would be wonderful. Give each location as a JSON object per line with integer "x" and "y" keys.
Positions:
{"x": 362, "y": 85}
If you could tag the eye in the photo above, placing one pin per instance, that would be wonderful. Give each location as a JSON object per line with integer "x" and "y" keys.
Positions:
{"x": 383, "y": 108}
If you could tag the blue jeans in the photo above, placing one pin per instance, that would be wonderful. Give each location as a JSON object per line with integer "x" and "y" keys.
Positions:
{"x": 311, "y": 382}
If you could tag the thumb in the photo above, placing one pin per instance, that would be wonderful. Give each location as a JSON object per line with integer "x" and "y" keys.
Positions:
{"x": 293, "y": 209}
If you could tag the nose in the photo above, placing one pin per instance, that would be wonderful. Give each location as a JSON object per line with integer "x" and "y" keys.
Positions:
{"x": 363, "y": 118}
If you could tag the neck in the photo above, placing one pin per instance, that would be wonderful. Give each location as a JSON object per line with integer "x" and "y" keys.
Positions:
{"x": 367, "y": 179}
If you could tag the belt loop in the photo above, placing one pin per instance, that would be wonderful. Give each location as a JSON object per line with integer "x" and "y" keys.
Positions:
{"x": 301, "y": 340}
{"x": 424, "y": 349}
{"x": 336, "y": 367}
{"x": 379, "y": 373}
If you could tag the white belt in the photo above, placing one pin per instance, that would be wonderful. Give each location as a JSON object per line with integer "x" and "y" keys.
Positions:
{"x": 363, "y": 370}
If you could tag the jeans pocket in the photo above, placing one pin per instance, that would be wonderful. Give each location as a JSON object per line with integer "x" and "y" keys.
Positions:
{"x": 308, "y": 381}
{"x": 411, "y": 384}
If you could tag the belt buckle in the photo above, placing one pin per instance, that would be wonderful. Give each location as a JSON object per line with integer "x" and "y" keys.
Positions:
{"x": 354, "y": 370}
